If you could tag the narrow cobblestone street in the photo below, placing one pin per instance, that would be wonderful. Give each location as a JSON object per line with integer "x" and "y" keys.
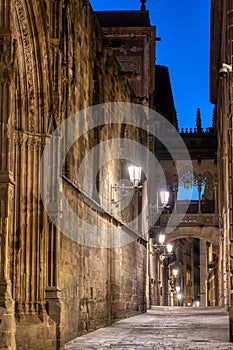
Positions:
{"x": 162, "y": 328}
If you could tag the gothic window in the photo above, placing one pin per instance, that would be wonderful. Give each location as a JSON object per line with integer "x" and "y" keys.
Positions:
{"x": 188, "y": 186}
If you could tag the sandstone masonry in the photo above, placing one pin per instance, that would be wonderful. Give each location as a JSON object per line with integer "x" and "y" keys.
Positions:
{"x": 54, "y": 62}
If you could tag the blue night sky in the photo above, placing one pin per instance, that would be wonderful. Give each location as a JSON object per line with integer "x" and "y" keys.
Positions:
{"x": 184, "y": 48}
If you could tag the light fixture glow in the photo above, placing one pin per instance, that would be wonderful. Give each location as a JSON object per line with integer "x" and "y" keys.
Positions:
{"x": 177, "y": 289}
{"x": 175, "y": 272}
{"x": 162, "y": 238}
{"x": 169, "y": 248}
{"x": 164, "y": 196}
{"x": 179, "y": 296}
{"x": 135, "y": 174}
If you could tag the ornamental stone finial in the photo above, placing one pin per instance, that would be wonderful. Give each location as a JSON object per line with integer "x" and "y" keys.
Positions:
{"x": 198, "y": 120}
{"x": 143, "y": 6}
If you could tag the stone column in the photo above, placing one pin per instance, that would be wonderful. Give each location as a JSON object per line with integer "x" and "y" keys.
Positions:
{"x": 175, "y": 186}
{"x": 230, "y": 167}
{"x": 215, "y": 197}
{"x": 148, "y": 276}
{"x": 166, "y": 284}
{"x": 7, "y": 68}
{"x": 199, "y": 196}
{"x": 203, "y": 273}
{"x": 7, "y": 325}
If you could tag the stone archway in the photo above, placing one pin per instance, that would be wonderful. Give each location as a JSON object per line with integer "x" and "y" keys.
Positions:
{"x": 207, "y": 233}
{"x": 25, "y": 91}
{"x": 208, "y": 237}
{"x": 23, "y": 85}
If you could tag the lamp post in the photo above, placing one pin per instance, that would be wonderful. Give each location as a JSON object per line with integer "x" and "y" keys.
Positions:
{"x": 164, "y": 252}
{"x": 175, "y": 272}
{"x": 179, "y": 298}
{"x": 173, "y": 286}
{"x": 178, "y": 295}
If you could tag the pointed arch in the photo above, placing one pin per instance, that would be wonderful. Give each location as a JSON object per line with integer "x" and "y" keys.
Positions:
{"x": 34, "y": 81}
{"x": 33, "y": 91}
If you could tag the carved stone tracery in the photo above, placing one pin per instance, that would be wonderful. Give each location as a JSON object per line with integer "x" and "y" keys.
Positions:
{"x": 25, "y": 140}
{"x": 28, "y": 60}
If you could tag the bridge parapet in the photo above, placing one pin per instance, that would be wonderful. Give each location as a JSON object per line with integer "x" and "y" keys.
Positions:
{"x": 191, "y": 220}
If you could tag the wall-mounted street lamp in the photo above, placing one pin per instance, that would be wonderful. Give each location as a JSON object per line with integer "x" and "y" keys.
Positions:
{"x": 169, "y": 248}
{"x": 173, "y": 285}
{"x": 162, "y": 239}
{"x": 179, "y": 298}
{"x": 164, "y": 197}
{"x": 163, "y": 249}
{"x": 179, "y": 295}
{"x": 162, "y": 204}
{"x": 135, "y": 179}
{"x": 174, "y": 288}
{"x": 135, "y": 174}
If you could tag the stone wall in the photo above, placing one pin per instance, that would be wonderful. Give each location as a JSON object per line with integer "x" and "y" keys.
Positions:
{"x": 52, "y": 288}
{"x": 98, "y": 286}
{"x": 221, "y": 96}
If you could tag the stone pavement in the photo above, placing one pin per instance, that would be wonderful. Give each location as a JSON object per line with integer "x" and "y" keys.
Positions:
{"x": 162, "y": 328}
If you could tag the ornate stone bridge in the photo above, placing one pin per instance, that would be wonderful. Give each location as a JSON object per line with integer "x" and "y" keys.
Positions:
{"x": 202, "y": 226}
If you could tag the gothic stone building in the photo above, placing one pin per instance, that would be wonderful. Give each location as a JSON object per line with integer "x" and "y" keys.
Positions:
{"x": 55, "y": 61}
{"x": 221, "y": 95}
{"x": 58, "y": 57}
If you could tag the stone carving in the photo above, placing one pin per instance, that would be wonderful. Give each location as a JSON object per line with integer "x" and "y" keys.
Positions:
{"x": 28, "y": 58}
{"x": 136, "y": 49}
{"x": 29, "y": 141}
{"x": 208, "y": 220}
{"x": 5, "y": 55}
{"x": 131, "y": 64}
{"x": 123, "y": 51}
{"x": 7, "y": 59}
